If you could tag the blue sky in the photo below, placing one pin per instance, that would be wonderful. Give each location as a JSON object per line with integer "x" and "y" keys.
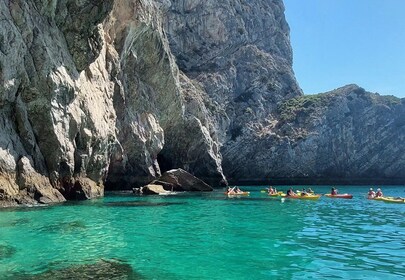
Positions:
{"x": 339, "y": 42}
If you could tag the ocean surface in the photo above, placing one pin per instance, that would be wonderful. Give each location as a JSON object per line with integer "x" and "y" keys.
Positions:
{"x": 209, "y": 236}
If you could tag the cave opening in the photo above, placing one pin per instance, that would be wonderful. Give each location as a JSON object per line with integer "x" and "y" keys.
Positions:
{"x": 165, "y": 163}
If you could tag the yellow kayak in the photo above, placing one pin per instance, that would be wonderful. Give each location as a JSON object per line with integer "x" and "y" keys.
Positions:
{"x": 391, "y": 199}
{"x": 276, "y": 194}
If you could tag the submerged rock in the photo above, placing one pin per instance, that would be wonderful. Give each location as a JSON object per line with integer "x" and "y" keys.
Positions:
{"x": 103, "y": 269}
{"x": 15, "y": 223}
{"x": 6, "y": 251}
{"x": 64, "y": 227}
{"x": 141, "y": 204}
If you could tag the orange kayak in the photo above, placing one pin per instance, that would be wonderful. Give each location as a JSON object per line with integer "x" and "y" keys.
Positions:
{"x": 343, "y": 195}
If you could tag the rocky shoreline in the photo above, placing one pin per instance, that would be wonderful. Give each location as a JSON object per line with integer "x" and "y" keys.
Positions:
{"x": 110, "y": 95}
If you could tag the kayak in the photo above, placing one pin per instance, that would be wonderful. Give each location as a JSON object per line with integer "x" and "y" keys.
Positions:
{"x": 304, "y": 197}
{"x": 239, "y": 193}
{"x": 277, "y": 194}
{"x": 343, "y": 195}
{"x": 390, "y": 199}
{"x": 168, "y": 193}
{"x": 267, "y": 191}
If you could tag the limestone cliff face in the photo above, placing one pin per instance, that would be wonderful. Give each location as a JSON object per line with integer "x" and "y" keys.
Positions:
{"x": 90, "y": 95}
{"x": 345, "y": 136}
{"x": 239, "y": 51}
{"x": 97, "y": 94}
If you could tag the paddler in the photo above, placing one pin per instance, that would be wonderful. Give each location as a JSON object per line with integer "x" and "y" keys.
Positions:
{"x": 371, "y": 193}
{"x": 230, "y": 190}
{"x": 379, "y": 193}
{"x": 291, "y": 192}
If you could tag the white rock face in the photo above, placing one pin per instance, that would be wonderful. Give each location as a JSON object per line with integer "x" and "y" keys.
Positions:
{"x": 90, "y": 94}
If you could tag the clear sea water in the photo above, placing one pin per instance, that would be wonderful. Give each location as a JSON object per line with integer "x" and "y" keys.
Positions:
{"x": 211, "y": 236}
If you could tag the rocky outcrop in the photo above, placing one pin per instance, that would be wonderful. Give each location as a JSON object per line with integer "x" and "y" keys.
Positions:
{"x": 181, "y": 180}
{"x": 33, "y": 186}
{"x": 97, "y": 94}
{"x": 52, "y": 112}
{"x": 151, "y": 189}
{"x": 346, "y": 136}
{"x": 91, "y": 96}
{"x": 240, "y": 54}
{"x": 161, "y": 123}
{"x": 176, "y": 180}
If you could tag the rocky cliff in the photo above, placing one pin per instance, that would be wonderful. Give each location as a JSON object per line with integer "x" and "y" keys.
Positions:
{"x": 108, "y": 94}
{"x": 91, "y": 96}
{"x": 346, "y": 136}
{"x": 240, "y": 52}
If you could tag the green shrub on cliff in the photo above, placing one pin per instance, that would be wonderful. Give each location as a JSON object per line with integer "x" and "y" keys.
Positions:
{"x": 305, "y": 105}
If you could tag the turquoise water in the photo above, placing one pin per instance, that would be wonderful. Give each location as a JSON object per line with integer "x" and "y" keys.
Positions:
{"x": 210, "y": 236}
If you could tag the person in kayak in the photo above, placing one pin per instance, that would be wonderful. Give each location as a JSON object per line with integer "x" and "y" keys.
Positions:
{"x": 230, "y": 190}
{"x": 309, "y": 190}
{"x": 371, "y": 193}
{"x": 334, "y": 191}
{"x": 291, "y": 192}
{"x": 304, "y": 192}
{"x": 379, "y": 193}
{"x": 238, "y": 190}
{"x": 271, "y": 190}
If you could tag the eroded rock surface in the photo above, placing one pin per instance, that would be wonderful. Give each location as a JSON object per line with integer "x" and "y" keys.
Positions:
{"x": 181, "y": 180}
{"x": 152, "y": 189}
{"x": 97, "y": 94}
{"x": 346, "y": 136}
{"x": 239, "y": 52}
{"x": 91, "y": 95}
